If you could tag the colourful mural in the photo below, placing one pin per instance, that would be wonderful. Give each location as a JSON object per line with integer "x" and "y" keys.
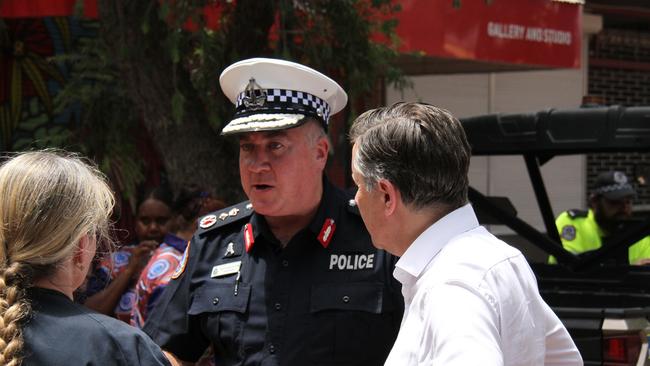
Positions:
{"x": 32, "y": 72}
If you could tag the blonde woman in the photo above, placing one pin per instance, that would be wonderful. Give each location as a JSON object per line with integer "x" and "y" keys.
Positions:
{"x": 54, "y": 209}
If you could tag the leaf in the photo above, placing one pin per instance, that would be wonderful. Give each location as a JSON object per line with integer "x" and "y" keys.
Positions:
{"x": 34, "y": 107}
{"x": 174, "y": 49}
{"x": 64, "y": 27}
{"x": 163, "y": 11}
{"x": 22, "y": 144}
{"x": 178, "y": 101}
{"x": 49, "y": 68}
{"x": 144, "y": 27}
{"x": 40, "y": 136}
{"x": 78, "y": 9}
{"x": 37, "y": 80}
{"x": 34, "y": 122}
{"x": 5, "y": 124}
{"x": 16, "y": 95}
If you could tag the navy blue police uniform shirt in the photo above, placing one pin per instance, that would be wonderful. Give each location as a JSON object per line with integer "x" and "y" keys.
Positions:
{"x": 63, "y": 333}
{"x": 327, "y": 298}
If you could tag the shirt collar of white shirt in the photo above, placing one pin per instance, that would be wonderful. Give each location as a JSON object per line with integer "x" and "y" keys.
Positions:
{"x": 427, "y": 245}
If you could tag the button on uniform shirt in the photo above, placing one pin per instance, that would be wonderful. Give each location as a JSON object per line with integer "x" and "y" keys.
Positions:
{"x": 62, "y": 333}
{"x": 471, "y": 299}
{"x": 327, "y": 298}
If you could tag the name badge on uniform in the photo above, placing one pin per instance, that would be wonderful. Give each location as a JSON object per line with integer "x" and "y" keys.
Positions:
{"x": 225, "y": 269}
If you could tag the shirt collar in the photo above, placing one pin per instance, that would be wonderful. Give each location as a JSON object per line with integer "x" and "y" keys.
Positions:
{"x": 327, "y": 209}
{"x": 176, "y": 242}
{"x": 420, "y": 253}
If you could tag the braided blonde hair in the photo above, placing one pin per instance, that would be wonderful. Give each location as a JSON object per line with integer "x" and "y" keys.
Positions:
{"x": 48, "y": 201}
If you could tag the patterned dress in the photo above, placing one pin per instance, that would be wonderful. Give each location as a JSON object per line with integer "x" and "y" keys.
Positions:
{"x": 104, "y": 272}
{"x": 155, "y": 276}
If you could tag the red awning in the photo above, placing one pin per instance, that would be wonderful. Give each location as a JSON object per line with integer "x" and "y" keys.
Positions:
{"x": 45, "y": 8}
{"x": 532, "y": 32}
{"x": 64, "y": 8}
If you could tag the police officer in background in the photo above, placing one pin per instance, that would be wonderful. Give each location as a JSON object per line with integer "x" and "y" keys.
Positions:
{"x": 610, "y": 204}
{"x": 291, "y": 276}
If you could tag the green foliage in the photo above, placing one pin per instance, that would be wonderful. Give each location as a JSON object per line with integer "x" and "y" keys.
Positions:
{"x": 43, "y": 134}
{"x": 337, "y": 37}
{"x": 108, "y": 121}
{"x": 178, "y": 100}
{"x": 354, "y": 41}
{"x": 104, "y": 126}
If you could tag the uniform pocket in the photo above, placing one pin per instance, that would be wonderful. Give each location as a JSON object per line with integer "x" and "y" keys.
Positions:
{"x": 222, "y": 314}
{"x": 367, "y": 297}
{"x": 220, "y": 297}
{"x": 356, "y": 320}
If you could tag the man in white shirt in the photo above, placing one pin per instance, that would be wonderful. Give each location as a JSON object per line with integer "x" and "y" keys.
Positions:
{"x": 470, "y": 298}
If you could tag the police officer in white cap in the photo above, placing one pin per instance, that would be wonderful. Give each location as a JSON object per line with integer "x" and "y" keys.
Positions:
{"x": 291, "y": 276}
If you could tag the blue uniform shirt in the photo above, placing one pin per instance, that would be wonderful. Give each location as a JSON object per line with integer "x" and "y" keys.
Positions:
{"x": 62, "y": 333}
{"x": 327, "y": 298}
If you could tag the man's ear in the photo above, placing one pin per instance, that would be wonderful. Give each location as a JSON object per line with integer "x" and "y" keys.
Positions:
{"x": 322, "y": 150}
{"x": 390, "y": 196}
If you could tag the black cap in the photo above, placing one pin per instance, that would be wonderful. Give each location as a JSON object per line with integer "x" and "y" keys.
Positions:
{"x": 613, "y": 185}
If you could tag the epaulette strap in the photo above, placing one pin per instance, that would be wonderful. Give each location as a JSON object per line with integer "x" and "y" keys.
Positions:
{"x": 225, "y": 216}
{"x": 578, "y": 213}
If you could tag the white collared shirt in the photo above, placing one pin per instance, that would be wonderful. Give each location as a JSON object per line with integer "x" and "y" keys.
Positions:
{"x": 471, "y": 299}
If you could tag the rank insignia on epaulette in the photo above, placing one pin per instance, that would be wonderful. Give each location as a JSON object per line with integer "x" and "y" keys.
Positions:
{"x": 207, "y": 221}
{"x": 326, "y": 232}
{"x": 224, "y": 217}
{"x": 249, "y": 239}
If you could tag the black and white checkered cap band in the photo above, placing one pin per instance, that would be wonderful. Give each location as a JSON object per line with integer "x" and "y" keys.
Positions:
{"x": 285, "y": 101}
{"x": 613, "y": 188}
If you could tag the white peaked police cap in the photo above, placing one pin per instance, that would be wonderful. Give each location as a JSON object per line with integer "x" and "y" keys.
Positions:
{"x": 271, "y": 94}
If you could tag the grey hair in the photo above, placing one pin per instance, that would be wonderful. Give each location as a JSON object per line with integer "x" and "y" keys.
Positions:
{"x": 316, "y": 131}
{"x": 419, "y": 148}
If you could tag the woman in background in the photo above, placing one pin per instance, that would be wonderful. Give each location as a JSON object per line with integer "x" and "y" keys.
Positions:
{"x": 54, "y": 209}
{"x": 110, "y": 289}
{"x": 191, "y": 203}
